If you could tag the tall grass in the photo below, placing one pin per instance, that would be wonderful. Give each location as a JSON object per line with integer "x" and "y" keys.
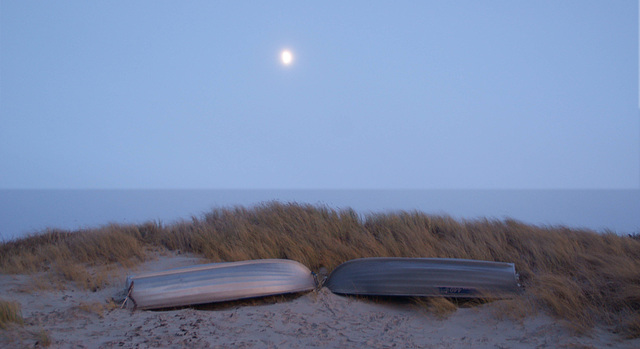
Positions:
{"x": 578, "y": 275}
{"x": 9, "y": 313}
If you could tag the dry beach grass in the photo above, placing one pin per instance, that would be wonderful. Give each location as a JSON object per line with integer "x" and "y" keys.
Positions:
{"x": 9, "y": 312}
{"x": 582, "y": 277}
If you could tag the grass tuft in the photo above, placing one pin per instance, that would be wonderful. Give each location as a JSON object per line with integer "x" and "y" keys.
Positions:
{"x": 10, "y": 313}
{"x": 438, "y": 306}
{"x": 43, "y": 338}
{"x": 97, "y": 308}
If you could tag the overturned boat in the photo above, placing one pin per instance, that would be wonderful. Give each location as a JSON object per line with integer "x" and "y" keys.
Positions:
{"x": 217, "y": 282}
{"x": 417, "y": 277}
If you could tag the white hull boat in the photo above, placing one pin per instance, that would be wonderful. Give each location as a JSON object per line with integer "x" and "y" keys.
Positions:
{"x": 218, "y": 282}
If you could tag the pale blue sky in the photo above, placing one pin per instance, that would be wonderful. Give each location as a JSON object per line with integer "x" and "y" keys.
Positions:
{"x": 381, "y": 95}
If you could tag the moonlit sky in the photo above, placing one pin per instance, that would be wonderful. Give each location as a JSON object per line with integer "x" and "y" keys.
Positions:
{"x": 409, "y": 94}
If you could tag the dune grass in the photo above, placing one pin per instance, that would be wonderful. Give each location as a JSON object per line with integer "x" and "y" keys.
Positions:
{"x": 43, "y": 338}
{"x": 97, "y": 308}
{"x": 580, "y": 276}
{"x": 9, "y": 313}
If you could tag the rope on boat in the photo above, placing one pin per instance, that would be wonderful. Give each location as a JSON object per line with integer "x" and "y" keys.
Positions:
{"x": 320, "y": 277}
{"x": 135, "y": 305}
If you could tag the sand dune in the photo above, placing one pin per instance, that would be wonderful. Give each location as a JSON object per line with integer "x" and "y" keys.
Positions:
{"x": 74, "y": 318}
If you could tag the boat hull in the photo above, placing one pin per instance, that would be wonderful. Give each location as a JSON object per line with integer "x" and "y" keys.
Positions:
{"x": 218, "y": 282}
{"x": 420, "y": 277}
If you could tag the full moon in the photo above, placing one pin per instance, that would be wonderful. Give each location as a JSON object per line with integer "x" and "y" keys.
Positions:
{"x": 286, "y": 57}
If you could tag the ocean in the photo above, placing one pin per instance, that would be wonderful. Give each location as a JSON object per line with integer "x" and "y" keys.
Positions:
{"x": 29, "y": 211}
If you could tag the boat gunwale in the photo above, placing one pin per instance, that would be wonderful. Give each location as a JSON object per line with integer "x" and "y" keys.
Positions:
{"x": 215, "y": 265}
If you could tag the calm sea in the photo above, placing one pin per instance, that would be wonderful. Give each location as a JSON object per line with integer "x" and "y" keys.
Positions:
{"x": 28, "y": 211}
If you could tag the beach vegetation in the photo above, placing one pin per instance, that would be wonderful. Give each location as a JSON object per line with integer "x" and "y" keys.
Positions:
{"x": 97, "y": 308}
{"x": 10, "y": 313}
{"x": 437, "y": 306}
{"x": 43, "y": 338}
{"x": 578, "y": 275}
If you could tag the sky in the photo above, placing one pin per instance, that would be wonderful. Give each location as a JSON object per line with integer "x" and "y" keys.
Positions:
{"x": 380, "y": 95}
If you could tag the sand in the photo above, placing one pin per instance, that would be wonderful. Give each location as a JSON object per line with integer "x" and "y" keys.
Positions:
{"x": 75, "y": 318}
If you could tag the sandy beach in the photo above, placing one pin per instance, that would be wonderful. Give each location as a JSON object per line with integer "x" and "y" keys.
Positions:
{"x": 70, "y": 317}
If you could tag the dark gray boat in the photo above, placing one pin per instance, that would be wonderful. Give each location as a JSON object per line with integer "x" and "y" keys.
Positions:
{"x": 218, "y": 282}
{"x": 444, "y": 277}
